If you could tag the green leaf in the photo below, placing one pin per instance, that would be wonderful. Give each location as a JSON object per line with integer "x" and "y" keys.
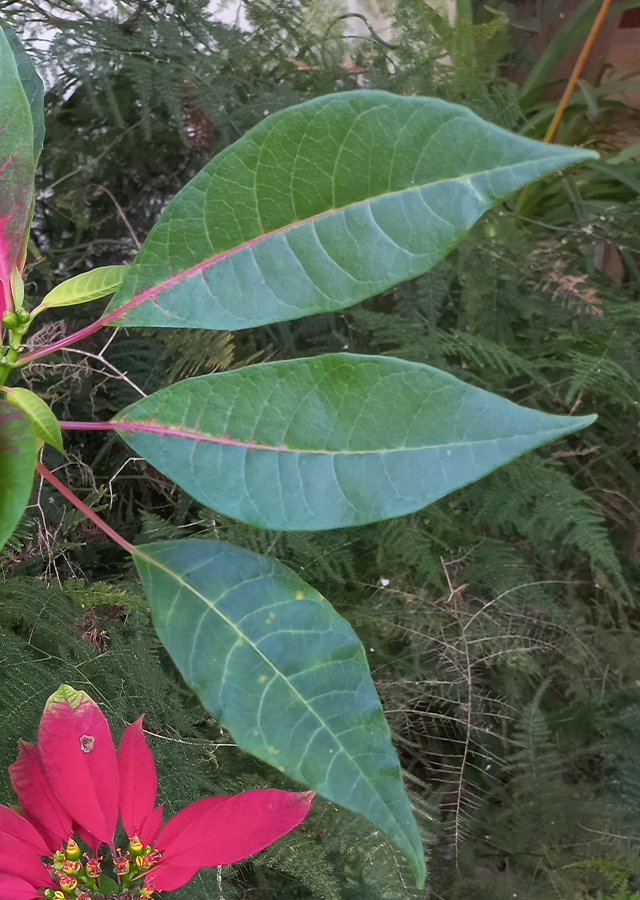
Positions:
{"x": 330, "y": 441}
{"x": 108, "y": 885}
{"x": 18, "y": 457}
{"x": 276, "y": 665}
{"x": 85, "y": 287}
{"x": 17, "y": 171}
{"x": 43, "y": 420}
{"x": 322, "y": 205}
{"x": 33, "y": 88}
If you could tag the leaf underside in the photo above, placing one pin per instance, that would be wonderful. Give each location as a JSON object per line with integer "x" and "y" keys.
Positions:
{"x": 18, "y": 457}
{"x": 322, "y": 205}
{"x": 331, "y": 441}
{"x": 276, "y": 665}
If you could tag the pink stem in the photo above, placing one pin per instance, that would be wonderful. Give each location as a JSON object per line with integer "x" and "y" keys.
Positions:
{"x": 78, "y": 335}
{"x": 91, "y": 426}
{"x": 102, "y": 525}
{"x": 89, "y": 513}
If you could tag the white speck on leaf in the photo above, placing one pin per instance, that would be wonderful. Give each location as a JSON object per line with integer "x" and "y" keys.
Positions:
{"x": 86, "y": 743}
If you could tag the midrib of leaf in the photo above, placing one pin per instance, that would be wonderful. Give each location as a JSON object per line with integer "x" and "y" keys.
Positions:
{"x": 170, "y": 431}
{"x": 181, "y": 581}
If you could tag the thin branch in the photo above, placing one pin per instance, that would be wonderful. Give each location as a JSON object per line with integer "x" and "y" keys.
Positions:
{"x": 100, "y": 358}
{"x": 134, "y": 236}
{"x": 584, "y": 53}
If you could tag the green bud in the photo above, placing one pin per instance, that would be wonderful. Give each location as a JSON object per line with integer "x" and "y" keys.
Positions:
{"x": 24, "y": 316}
{"x": 10, "y": 320}
{"x": 72, "y": 850}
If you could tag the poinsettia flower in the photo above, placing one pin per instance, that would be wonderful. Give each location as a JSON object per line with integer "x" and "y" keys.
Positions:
{"x": 73, "y": 783}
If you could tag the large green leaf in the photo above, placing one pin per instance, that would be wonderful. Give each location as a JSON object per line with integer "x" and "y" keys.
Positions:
{"x": 276, "y": 665}
{"x": 18, "y": 457}
{"x": 33, "y": 88}
{"x": 322, "y": 205}
{"x": 34, "y": 91}
{"x": 17, "y": 168}
{"x": 330, "y": 441}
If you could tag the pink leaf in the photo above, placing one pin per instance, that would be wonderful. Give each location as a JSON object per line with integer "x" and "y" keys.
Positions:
{"x": 37, "y": 796}
{"x": 22, "y": 861}
{"x": 138, "y": 781}
{"x": 14, "y": 824}
{"x": 152, "y": 824}
{"x": 87, "y": 837}
{"x": 80, "y": 760}
{"x": 168, "y": 877}
{"x": 14, "y": 888}
{"x": 217, "y": 831}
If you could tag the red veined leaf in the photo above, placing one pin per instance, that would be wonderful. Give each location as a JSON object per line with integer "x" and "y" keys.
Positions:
{"x": 37, "y": 796}
{"x": 90, "y": 839}
{"x": 22, "y": 861}
{"x": 14, "y": 888}
{"x": 80, "y": 760}
{"x": 221, "y": 830}
{"x": 152, "y": 824}
{"x": 167, "y": 877}
{"x": 16, "y": 825}
{"x": 138, "y": 781}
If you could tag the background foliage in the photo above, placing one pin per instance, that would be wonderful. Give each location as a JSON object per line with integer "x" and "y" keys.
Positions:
{"x": 501, "y": 622}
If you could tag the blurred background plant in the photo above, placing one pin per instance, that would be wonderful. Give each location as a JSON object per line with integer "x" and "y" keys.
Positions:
{"x": 501, "y": 622}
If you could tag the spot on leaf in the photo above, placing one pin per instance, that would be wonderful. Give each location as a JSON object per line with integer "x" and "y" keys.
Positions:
{"x": 87, "y": 742}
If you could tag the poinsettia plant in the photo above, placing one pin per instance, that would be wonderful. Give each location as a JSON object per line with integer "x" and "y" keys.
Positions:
{"x": 72, "y": 782}
{"x": 317, "y": 208}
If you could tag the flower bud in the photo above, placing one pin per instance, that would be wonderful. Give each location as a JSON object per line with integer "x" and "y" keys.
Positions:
{"x": 72, "y": 850}
{"x": 10, "y": 320}
{"x": 121, "y": 862}
{"x": 93, "y": 865}
{"x": 70, "y": 866}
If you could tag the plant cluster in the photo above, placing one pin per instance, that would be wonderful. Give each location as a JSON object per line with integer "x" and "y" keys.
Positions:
{"x": 513, "y": 598}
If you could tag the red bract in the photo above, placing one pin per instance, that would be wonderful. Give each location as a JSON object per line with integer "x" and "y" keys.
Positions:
{"x": 72, "y": 781}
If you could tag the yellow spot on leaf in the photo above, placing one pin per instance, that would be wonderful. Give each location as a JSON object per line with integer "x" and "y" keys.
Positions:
{"x": 262, "y": 679}
{"x": 299, "y": 595}
{"x": 255, "y": 734}
{"x": 273, "y": 750}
